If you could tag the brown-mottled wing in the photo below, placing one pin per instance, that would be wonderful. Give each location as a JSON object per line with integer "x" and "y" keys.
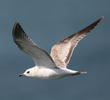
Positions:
{"x": 62, "y": 51}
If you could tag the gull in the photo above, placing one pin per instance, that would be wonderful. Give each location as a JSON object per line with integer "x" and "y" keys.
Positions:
{"x": 53, "y": 65}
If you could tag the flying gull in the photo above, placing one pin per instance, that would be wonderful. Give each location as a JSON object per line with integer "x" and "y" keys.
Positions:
{"x": 53, "y": 66}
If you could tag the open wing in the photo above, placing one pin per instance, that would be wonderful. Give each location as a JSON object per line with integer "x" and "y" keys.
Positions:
{"x": 62, "y": 51}
{"x": 40, "y": 57}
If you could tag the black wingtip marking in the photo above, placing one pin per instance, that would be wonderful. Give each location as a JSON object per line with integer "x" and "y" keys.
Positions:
{"x": 102, "y": 17}
{"x": 92, "y": 26}
{"x": 17, "y": 31}
{"x": 17, "y": 28}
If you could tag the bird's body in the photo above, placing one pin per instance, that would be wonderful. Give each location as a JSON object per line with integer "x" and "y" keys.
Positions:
{"x": 51, "y": 66}
{"x": 48, "y": 73}
{"x": 51, "y": 73}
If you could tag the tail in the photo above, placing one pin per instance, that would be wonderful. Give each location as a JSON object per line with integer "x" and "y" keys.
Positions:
{"x": 78, "y": 73}
{"x": 83, "y": 72}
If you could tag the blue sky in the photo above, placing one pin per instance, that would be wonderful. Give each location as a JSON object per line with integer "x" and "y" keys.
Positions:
{"x": 47, "y": 22}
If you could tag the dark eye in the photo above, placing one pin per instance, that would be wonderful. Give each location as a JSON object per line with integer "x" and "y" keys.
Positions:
{"x": 28, "y": 71}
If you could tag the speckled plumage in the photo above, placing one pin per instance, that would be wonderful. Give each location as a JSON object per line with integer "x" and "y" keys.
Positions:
{"x": 51, "y": 66}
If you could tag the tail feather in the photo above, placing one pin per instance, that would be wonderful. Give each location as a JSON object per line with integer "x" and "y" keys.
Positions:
{"x": 78, "y": 73}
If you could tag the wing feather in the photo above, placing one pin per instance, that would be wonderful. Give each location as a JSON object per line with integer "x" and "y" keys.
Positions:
{"x": 62, "y": 51}
{"x": 40, "y": 56}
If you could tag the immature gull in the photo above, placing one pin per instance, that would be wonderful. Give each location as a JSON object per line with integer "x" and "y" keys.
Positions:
{"x": 51, "y": 66}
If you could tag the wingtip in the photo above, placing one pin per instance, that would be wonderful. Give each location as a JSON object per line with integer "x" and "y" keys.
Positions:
{"x": 101, "y": 18}
{"x": 16, "y": 24}
{"x": 17, "y": 27}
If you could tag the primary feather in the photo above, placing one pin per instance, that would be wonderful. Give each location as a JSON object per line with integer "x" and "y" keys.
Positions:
{"x": 62, "y": 51}
{"x": 40, "y": 56}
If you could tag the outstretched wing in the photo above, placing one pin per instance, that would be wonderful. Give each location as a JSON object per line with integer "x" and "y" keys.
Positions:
{"x": 40, "y": 57}
{"x": 62, "y": 51}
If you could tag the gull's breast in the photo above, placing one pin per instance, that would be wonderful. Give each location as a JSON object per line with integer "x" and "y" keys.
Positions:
{"x": 48, "y": 73}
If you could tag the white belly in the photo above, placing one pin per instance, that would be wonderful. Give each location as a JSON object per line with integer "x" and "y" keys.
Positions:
{"x": 47, "y": 73}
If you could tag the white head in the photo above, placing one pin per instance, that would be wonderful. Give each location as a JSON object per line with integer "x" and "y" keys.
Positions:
{"x": 31, "y": 72}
